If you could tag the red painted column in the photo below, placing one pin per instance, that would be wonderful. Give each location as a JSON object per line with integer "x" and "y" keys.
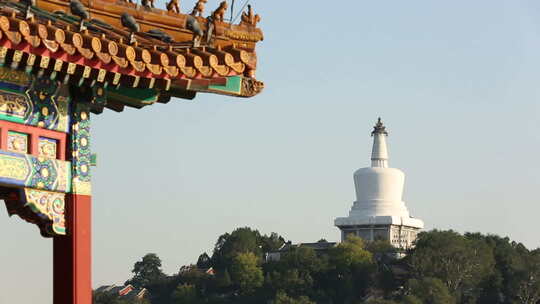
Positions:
{"x": 72, "y": 258}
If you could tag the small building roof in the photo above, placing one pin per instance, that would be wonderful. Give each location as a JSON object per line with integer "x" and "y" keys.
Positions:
{"x": 317, "y": 246}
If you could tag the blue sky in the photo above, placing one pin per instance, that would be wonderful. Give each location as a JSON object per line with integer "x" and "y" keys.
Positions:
{"x": 456, "y": 84}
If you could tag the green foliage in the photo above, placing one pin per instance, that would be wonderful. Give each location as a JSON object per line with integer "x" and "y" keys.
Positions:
{"x": 385, "y": 256}
{"x": 186, "y": 294}
{"x": 528, "y": 273}
{"x": 460, "y": 263}
{"x": 445, "y": 267}
{"x": 350, "y": 255}
{"x": 410, "y": 299}
{"x": 430, "y": 290}
{"x": 271, "y": 242}
{"x": 224, "y": 279}
{"x": 243, "y": 240}
{"x": 380, "y": 249}
{"x": 380, "y": 301}
{"x": 283, "y": 298}
{"x": 203, "y": 261}
{"x": 146, "y": 271}
{"x": 104, "y": 298}
{"x": 292, "y": 281}
{"x": 303, "y": 258}
{"x": 246, "y": 272}
{"x": 349, "y": 271}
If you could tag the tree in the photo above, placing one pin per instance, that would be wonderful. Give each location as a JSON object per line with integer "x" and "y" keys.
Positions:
{"x": 203, "y": 262}
{"x": 381, "y": 249}
{"x": 410, "y": 299}
{"x": 104, "y": 298}
{"x": 271, "y": 242}
{"x": 283, "y": 298}
{"x": 528, "y": 273}
{"x": 224, "y": 279}
{"x": 430, "y": 290}
{"x": 380, "y": 301}
{"x": 349, "y": 271}
{"x": 350, "y": 254}
{"x": 295, "y": 273}
{"x": 246, "y": 273}
{"x": 241, "y": 240}
{"x": 302, "y": 258}
{"x": 185, "y": 294}
{"x": 146, "y": 271}
{"x": 502, "y": 284}
{"x": 385, "y": 257}
{"x": 292, "y": 281}
{"x": 460, "y": 263}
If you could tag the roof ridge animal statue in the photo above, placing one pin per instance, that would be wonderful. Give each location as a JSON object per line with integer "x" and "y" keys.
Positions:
{"x": 193, "y": 25}
{"x": 199, "y": 8}
{"x": 148, "y": 3}
{"x": 219, "y": 13}
{"x": 130, "y": 23}
{"x": 28, "y": 5}
{"x": 250, "y": 18}
{"x": 174, "y": 6}
{"x": 78, "y": 9}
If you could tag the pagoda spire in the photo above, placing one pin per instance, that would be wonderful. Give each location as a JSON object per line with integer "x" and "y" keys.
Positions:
{"x": 379, "y": 153}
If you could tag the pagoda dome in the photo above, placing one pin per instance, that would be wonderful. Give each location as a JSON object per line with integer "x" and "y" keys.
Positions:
{"x": 379, "y": 192}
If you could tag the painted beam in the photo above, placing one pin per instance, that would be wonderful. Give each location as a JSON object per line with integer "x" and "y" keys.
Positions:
{"x": 27, "y": 171}
{"x": 32, "y": 101}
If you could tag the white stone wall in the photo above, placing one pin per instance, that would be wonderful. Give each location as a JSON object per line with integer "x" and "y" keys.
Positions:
{"x": 401, "y": 237}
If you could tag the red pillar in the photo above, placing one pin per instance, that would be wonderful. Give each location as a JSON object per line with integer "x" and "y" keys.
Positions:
{"x": 72, "y": 261}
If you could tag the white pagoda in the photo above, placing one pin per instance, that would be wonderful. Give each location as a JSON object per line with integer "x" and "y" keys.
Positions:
{"x": 379, "y": 212}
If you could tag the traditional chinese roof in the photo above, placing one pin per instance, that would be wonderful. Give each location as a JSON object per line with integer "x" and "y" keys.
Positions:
{"x": 163, "y": 62}
{"x": 318, "y": 246}
{"x": 127, "y": 291}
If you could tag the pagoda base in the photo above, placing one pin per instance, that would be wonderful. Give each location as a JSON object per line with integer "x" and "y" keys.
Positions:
{"x": 399, "y": 231}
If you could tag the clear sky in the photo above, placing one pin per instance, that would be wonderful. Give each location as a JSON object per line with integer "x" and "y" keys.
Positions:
{"x": 456, "y": 82}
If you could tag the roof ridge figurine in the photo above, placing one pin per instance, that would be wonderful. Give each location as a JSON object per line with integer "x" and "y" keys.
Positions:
{"x": 199, "y": 8}
{"x": 118, "y": 44}
{"x": 28, "y": 4}
{"x": 129, "y": 22}
{"x": 173, "y": 6}
{"x": 148, "y": 3}
{"x": 219, "y": 13}
{"x": 79, "y": 10}
{"x": 250, "y": 18}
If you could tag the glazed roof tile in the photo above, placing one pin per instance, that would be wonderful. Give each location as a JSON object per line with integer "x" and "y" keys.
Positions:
{"x": 102, "y": 54}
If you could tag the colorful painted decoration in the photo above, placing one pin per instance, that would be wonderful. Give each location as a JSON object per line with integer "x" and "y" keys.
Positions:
{"x": 23, "y": 170}
{"x": 48, "y": 147}
{"x": 42, "y": 102}
{"x": 48, "y": 206}
{"x": 17, "y": 142}
{"x": 50, "y": 105}
{"x": 80, "y": 148}
{"x": 46, "y": 209}
{"x": 14, "y": 106}
{"x": 18, "y": 78}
